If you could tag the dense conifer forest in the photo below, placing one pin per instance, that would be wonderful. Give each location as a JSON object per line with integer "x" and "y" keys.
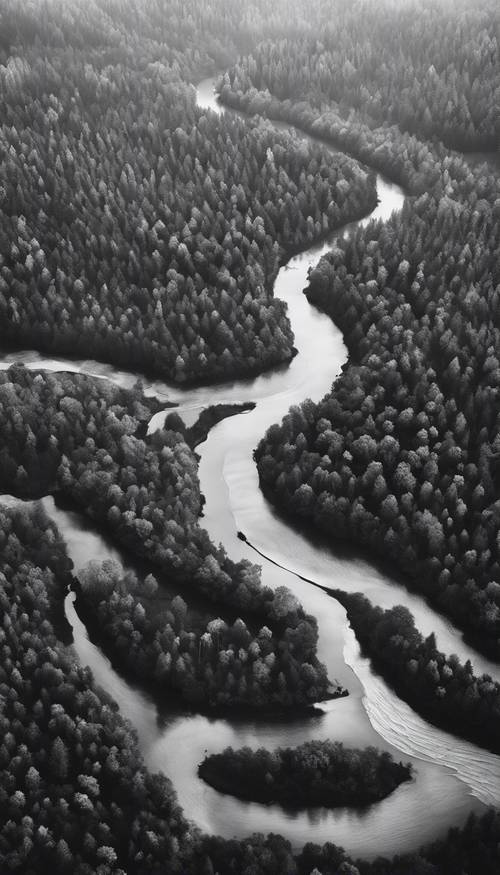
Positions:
{"x": 441, "y": 79}
{"x": 141, "y": 230}
{"x": 74, "y": 796}
{"x": 158, "y": 250}
{"x": 401, "y": 455}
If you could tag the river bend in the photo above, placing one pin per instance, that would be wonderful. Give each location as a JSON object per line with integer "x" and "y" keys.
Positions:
{"x": 452, "y": 777}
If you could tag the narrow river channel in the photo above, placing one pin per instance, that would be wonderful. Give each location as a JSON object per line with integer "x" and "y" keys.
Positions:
{"x": 452, "y": 777}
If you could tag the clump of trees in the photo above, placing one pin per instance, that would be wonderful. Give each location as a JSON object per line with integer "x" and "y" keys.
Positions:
{"x": 315, "y": 773}
{"x": 46, "y": 416}
{"x": 439, "y": 687}
{"x": 433, "y": 69}
{"x": 208, "y": 418}
{"x": 210, "y": 662}
{"x": 471, "y": 849}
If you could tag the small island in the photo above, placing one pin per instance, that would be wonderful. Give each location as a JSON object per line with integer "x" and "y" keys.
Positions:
{"x": 317, "y": 773}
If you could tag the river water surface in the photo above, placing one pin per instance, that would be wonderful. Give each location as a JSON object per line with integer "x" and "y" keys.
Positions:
{"x": 452, "y": 777}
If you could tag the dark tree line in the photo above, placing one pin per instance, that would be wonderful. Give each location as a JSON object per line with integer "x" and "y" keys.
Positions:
{"x": 315, "y": 773}
{"x": 439, "y": 687}
{"x": 473, "y": 850}
{"x": 432, "y": 68}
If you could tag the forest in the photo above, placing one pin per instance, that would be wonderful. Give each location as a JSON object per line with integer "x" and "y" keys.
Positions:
{"x": 443, "y": 81}
{"x": 315, "y": 773}
{"x": 143, "y": 231}
{"x": 74, "y": 793}
{"x": 401, "y": 455}
{"x": 157, "y": 251}
{"x": 168, "y": 643}
{"x": 70, "y": 435}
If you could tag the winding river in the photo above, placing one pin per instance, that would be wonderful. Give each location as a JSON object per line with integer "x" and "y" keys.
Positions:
{"x": 452, "y": 777}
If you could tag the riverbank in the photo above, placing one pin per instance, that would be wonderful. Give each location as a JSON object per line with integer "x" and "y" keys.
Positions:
{"x": 446, "y": 771}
